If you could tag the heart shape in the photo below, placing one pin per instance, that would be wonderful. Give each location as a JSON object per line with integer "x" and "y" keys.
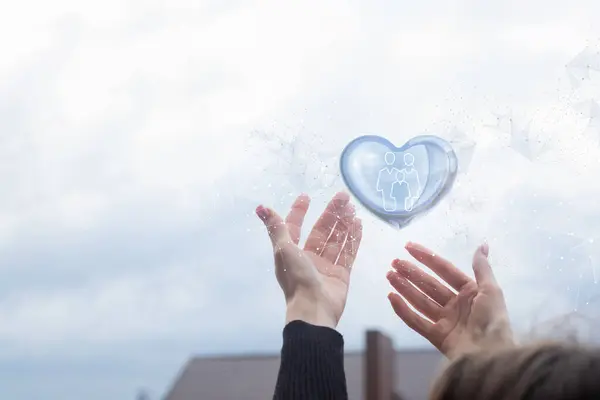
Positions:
{"x": 398, "y": 184}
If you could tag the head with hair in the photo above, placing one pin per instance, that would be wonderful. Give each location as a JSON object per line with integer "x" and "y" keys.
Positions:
{"x": 546, "y": 371}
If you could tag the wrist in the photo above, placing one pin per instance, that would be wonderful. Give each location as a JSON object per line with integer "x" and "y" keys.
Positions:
{"x": 309, "y": 310}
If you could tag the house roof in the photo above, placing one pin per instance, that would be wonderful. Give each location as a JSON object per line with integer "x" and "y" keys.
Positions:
{"x": 253, "y": 377}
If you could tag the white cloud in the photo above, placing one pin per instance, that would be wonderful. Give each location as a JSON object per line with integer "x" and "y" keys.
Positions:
{"x": 127, "y": 308}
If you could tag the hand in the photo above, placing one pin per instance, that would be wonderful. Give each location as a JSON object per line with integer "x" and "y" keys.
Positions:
{"x": 472, "y": 319}
{"x": 315, "y": 279}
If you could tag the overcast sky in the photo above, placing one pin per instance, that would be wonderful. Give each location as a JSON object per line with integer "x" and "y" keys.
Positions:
{"x": 138, "y": 137}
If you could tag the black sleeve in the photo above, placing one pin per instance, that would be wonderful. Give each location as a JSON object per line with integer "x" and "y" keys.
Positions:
{"x": 312, "y": 364}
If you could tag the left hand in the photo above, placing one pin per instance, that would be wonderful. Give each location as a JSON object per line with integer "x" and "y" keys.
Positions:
{"x": 472, "y": 318}
{"x": 315, "y": 279}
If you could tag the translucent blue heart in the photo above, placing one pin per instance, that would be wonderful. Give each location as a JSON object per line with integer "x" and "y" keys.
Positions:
{"x": 398, "y": 184}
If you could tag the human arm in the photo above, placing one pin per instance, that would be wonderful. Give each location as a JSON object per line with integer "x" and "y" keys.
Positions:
{"x": 314, "y": 281}
{"x": 312, "y": 364}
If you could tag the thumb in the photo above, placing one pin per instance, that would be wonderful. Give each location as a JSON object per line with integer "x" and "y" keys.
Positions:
{"x": 276, "y": 227}
{"x": 481, "y": 266}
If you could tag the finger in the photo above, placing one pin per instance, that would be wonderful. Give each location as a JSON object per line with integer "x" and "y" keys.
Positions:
{"x": 481, "y": 266}
{"x": 410, "y": 318}
{"x": 425, "y": 282}
{"x": 350, "y": 249}
{"x": 336, "y": 240}
{"x": 277, "y": 229}
{"x": 321, "y": 231}
{"x": 442, "y": 267}
{"x": 296, "y": 216}
{"x": 414, "y": 296}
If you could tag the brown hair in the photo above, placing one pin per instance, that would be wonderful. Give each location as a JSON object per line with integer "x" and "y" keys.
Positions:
{"x": 542, "y": 372}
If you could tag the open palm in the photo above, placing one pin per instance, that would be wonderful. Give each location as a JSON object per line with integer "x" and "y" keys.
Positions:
{"x": 321, "y": 270}
{"x": 471, "y": 318}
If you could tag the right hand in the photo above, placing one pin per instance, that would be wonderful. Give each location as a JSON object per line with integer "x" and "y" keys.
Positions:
{"x": 472, "y": 318}
{"x": 315, "y": 279}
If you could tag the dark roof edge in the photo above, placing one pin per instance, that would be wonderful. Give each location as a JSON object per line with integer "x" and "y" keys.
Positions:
{"x": 251, "y": 356}
{"x": 178, "y": 376}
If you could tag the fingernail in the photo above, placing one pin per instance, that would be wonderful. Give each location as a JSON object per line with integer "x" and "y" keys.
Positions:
{"x": 407, "y": 245}
{"x": 485, "y": 249}
{"x": 303, "y": 197}
{"x": 390, "y": 274}
{"x": 341, "y": 198}
{"x": 343, "y": 194}
{"x": 262, "y": 213}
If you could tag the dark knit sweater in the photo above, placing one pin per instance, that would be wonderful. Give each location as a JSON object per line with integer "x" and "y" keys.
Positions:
{"x": 312, "y": 364}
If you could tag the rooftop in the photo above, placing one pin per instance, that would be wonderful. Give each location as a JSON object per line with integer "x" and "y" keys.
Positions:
{"x": 253, "y": 377}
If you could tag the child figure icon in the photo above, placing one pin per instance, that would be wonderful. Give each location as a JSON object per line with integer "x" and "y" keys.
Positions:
{"x": 399, "y": 185}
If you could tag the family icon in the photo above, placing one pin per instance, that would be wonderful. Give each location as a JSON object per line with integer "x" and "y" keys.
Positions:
{"x": 392, "y": 180}
{"x": 399, "y": 184}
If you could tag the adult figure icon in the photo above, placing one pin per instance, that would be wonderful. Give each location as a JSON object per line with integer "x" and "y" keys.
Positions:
{"x": 386, "y": 180}
{"x": 411, "y": 177}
